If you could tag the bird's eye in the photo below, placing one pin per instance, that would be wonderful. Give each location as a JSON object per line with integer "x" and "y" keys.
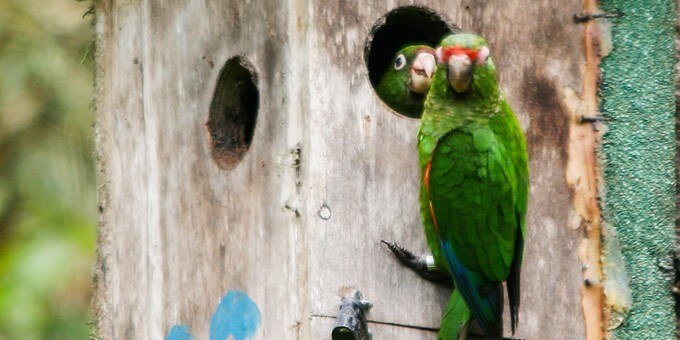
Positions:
{"x": 399, "y": 62}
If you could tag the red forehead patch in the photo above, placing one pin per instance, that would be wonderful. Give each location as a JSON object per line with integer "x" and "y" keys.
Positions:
{"x": 448, "y": 51}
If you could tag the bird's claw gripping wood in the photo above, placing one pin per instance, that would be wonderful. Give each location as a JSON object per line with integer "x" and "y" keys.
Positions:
{"x": 419, "y": 264}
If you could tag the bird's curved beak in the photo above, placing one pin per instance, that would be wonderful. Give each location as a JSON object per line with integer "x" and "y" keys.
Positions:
{"x": 460, "y": 72}
{"x": 422, "y": 71}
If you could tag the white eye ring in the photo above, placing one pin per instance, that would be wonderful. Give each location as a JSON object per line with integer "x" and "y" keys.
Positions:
{"x": 482, "y": 55}
{"x": 400, "y": 62}
{"x": 439, "y": 54}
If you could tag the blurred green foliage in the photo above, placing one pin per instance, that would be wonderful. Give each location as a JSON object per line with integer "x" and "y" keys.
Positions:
{"x": 47, "y": 184}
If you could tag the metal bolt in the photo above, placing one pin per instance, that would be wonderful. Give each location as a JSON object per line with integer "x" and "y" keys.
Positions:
{"x": 585, "y": 17}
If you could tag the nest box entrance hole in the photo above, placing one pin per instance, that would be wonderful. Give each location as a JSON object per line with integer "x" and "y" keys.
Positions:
{"x": 396, "y": 29}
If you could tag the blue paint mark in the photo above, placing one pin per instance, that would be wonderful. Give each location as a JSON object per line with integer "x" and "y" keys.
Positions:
{"x": 179, "y": 332}
{"x": 237, "y": 315}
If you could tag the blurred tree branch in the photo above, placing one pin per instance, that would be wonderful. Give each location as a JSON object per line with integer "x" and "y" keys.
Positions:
{"x": 47, "y": 185}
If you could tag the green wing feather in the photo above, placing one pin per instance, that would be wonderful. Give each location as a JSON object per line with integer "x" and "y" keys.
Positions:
{"x": 478, "y": 188}
{"x": 471, "y": 190}
{"x": 455, "y": 319}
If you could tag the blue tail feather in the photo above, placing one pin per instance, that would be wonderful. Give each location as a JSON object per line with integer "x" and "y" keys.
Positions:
{"x": 484, "y": 298}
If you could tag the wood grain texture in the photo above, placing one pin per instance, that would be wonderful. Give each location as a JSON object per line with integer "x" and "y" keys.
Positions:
{"x": 177, "y": 232}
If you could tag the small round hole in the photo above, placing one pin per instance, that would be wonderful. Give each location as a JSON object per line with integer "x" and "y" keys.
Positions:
{"x": 398, "y": 28}
{"x": 233, "y": 112}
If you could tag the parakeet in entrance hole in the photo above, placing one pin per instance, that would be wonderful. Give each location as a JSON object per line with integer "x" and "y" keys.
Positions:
{"x": 405, "y": 83}
{"x": 475, "y": 180}
{"x": 403, "y": 87}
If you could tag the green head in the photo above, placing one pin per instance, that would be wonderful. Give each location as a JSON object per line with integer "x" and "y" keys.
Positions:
{"x": 465, "y": 66}
{"x": 407, "y": 80}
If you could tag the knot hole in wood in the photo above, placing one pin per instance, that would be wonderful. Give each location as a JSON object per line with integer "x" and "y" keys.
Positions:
{"x": 233, "y": 112}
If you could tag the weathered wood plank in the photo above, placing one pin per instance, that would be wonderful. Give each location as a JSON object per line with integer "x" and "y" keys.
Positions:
{"x": 192, "y": 231}
{"x": 178, "y": 232}
{"x": 539, "y": 52}
{"x": 367, "y": 172}
{"x": 122, "y": 151}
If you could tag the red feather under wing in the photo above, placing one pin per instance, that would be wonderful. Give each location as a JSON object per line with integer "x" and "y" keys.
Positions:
{"x": 426, "y": 182}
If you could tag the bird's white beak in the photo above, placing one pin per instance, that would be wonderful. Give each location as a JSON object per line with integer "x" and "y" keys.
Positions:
{"x": 460, "y": 72}
{"x": 422, "y": 70}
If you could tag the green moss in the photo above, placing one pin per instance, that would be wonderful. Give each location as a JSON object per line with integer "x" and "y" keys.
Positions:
{"x": 637, "y": 98}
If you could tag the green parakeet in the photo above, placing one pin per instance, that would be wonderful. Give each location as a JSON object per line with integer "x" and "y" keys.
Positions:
{"x": 404, "y": 87}
{"x": 406, "y": 81}
{"x": 474, "y": 169}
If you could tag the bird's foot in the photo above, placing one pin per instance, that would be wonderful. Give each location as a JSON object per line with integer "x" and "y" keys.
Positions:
{"x": 422, "y": 265}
